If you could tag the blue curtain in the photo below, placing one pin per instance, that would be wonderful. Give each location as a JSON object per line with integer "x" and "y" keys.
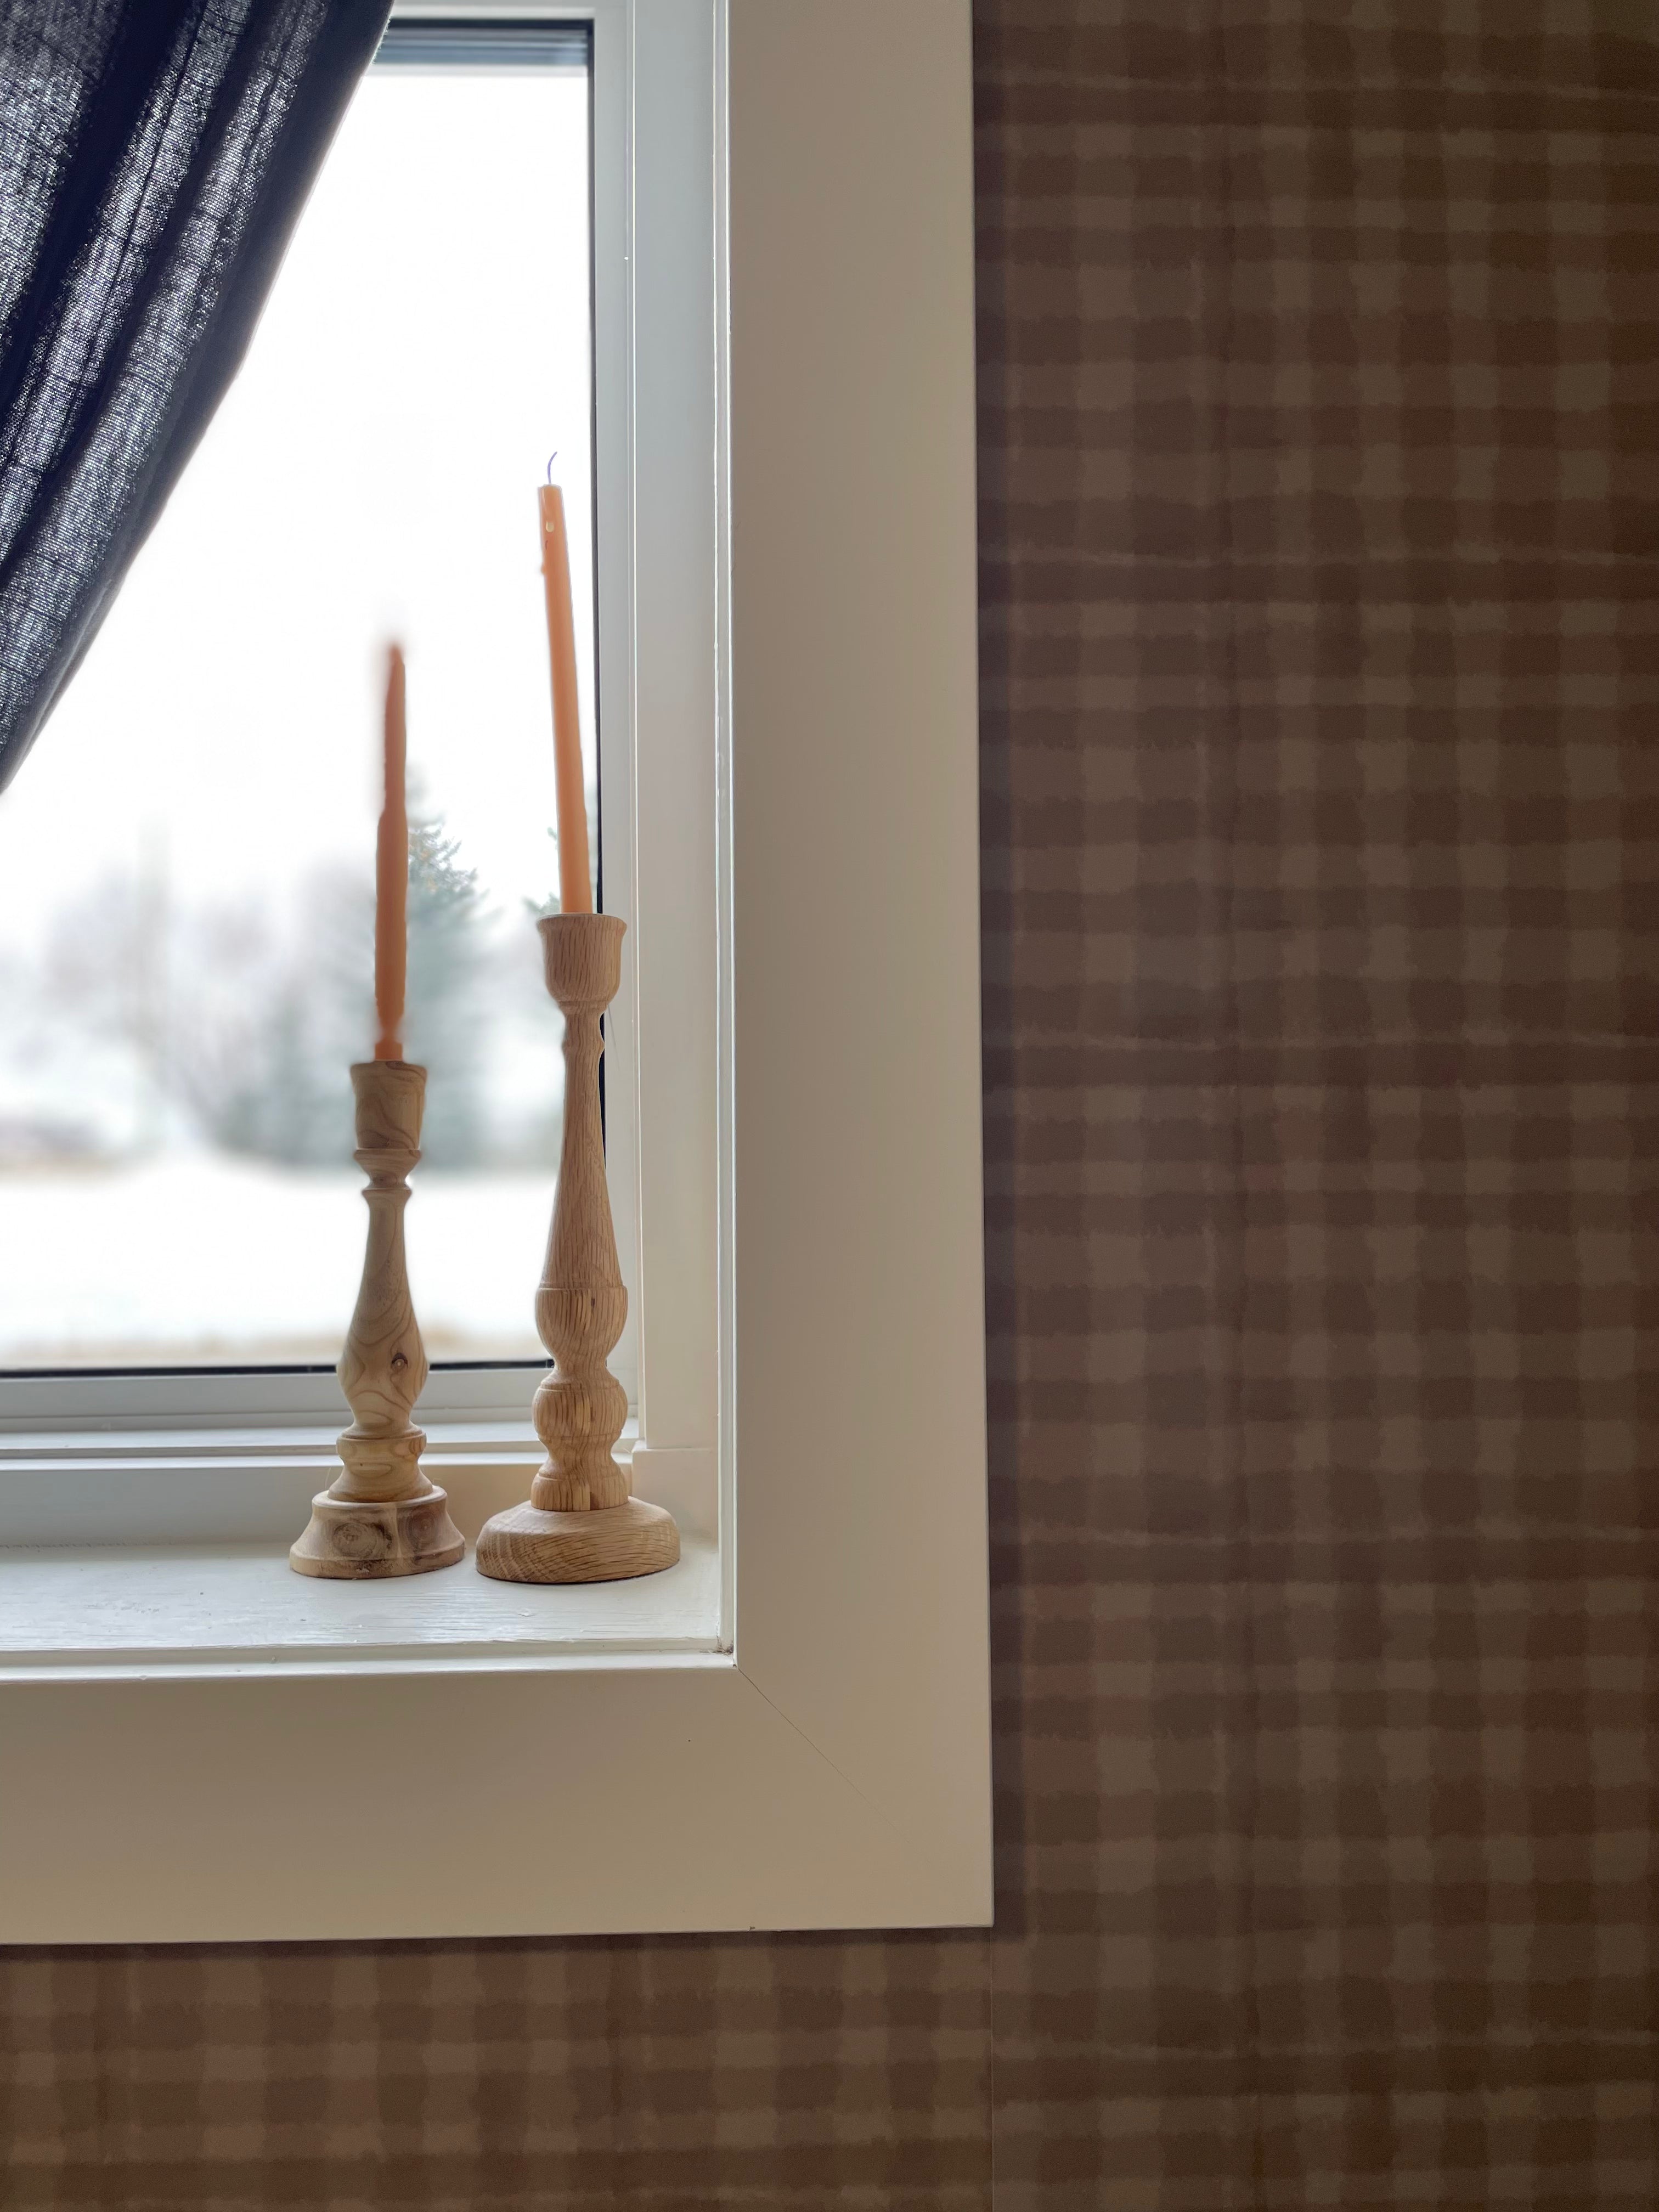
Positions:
{"x": 153, "y": 156}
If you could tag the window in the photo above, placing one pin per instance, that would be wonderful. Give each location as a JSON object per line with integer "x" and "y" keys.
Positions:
{"x": 785, "y": 675}
{"x": 186, "y": 869}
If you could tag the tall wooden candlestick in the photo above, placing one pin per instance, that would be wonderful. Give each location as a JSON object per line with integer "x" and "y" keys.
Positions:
{"x": 382, "y": 1516}
{"x": 581, "y": 1524}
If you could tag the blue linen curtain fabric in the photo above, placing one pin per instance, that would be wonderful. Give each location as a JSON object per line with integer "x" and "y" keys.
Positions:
{"x": 154, "y": 156}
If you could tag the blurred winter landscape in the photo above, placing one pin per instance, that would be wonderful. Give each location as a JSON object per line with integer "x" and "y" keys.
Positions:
{"x": 202, "y": 1260}
{"x": 176, "y": 1123}
{"x": 186, "y": 857}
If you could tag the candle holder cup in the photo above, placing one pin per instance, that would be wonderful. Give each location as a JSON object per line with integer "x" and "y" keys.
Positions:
{"x": 382, "y": 1516}
{"x": 579, "y": 1525}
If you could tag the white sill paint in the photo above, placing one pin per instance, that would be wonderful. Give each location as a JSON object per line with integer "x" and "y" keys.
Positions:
{"x": 224, "y": 1607}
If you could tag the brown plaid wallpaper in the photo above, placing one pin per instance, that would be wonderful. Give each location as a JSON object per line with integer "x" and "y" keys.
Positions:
{"x": 1320, "y": 387}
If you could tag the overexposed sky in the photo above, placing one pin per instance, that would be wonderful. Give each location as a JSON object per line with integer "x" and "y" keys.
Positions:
{"x": 373, "y": 471}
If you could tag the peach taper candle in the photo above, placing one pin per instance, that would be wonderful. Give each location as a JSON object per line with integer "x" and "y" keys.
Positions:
{"x": 575, "y": 887}
{"x": 391, "y": 871}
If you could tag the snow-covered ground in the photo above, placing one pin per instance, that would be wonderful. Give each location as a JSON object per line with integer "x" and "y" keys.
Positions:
{"x": 198, "y": 1259}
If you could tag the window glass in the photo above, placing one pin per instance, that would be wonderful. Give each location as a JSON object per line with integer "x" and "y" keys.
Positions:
{"x": 187, "y": 858}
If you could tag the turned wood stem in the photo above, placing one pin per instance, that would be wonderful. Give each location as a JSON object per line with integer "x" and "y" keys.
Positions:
{"x": 383, "y": 1366}
{"x": 581, "y": 1305}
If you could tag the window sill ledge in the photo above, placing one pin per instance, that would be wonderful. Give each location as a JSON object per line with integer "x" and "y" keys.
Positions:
{"x": 238, "y": 1608}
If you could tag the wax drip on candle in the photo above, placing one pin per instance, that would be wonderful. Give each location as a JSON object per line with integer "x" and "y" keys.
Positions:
{"x": 392, "y": 871}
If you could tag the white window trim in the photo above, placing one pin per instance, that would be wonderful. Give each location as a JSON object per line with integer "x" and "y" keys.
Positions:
{"x": 830, "y": 1768}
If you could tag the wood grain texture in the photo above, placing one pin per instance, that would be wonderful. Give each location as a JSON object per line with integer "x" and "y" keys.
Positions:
{"x": 382, "y": 1515}
{"x": 608, "y": 1544}
{"x": 581, "y": 1307}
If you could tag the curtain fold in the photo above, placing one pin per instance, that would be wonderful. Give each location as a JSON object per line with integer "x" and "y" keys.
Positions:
{"x": 154, "y": 157}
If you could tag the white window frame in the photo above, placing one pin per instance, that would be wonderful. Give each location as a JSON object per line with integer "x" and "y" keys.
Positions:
{"x": 828, "y": 1766}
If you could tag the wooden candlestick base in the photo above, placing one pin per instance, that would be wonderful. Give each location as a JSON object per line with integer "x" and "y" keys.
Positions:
{"x": 604, "y": 1545}
{"x": 581, "y": 1525}
{"x": 382, "y": 1516}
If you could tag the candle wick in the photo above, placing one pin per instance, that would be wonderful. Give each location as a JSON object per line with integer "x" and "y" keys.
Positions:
{"x": 551, "y": 458}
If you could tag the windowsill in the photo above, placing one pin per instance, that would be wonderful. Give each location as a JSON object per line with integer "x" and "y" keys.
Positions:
{"x": 220, "y": 1608}
{"x": 166, "y": 1550}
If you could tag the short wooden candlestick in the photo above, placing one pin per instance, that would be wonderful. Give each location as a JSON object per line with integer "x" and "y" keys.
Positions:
{"x": 581, "y": 1525}
{"x": 382, "y": 1516}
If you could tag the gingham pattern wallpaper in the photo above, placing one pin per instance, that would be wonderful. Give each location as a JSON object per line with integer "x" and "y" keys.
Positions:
{"x": 1320, "y": 389}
